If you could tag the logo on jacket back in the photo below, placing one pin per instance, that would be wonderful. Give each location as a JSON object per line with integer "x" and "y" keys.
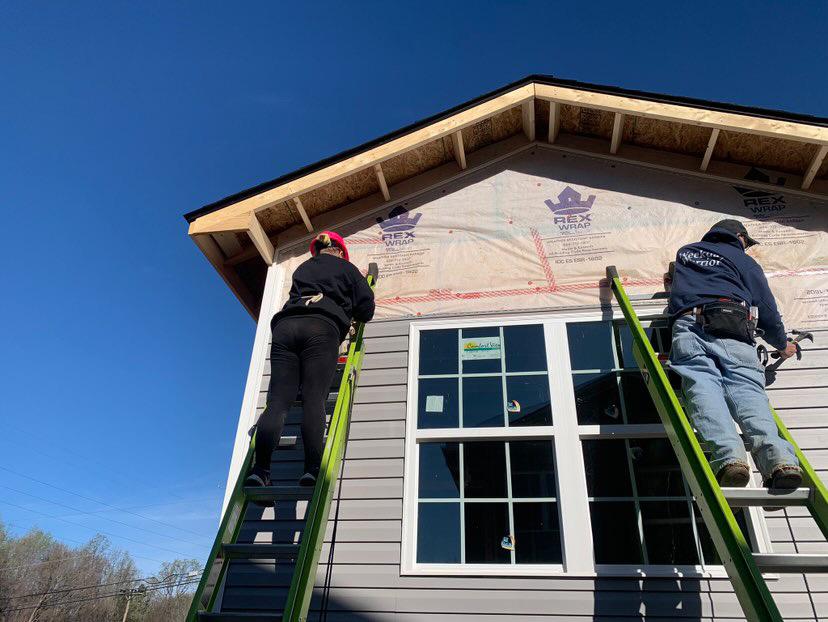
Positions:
{"x": 398, "y": 228}
{"x": 571, "y": 211}
{"x": 762, "y": 203}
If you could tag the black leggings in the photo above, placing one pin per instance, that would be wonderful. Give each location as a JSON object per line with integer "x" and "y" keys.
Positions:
{"x": 304, "y": 353}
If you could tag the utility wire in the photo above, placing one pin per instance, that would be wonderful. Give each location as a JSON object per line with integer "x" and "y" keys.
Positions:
{"x": 83, "y": 512}
{"x": 91, "y": 461}
{"x": 106, "y": 533}
{"x": 33, "y": 479}
{"x": 100, "y": 597}
{"x": 166, "y": 581}
{"x": 146, "y": 505}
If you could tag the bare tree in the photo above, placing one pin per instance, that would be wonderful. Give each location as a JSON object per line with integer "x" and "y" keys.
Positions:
{"x": 43, "y": 580}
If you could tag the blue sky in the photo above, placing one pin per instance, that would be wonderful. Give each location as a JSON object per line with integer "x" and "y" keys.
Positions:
{"x": 123, "y": 354}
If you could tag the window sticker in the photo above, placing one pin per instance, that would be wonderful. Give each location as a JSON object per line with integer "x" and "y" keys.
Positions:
{"x": 478, "y": 348}
{"x": 434, "y": 403}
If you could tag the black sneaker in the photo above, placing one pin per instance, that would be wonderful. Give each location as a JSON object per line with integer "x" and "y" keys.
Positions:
{"x": 308, "y": 479}
{"x": 257, "y": 477}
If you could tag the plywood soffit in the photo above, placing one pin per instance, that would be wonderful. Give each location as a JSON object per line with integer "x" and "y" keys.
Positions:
{"x": 547, "y": 113}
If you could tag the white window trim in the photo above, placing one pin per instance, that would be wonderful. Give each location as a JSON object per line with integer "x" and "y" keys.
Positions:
{"x": 572, "y": 496}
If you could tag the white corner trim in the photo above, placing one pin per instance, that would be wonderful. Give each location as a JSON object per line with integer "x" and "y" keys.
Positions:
{"x": 271, "y": 299}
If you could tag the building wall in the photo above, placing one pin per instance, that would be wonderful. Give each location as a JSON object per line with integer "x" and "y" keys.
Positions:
{"x": 364, "y": 577}
{"x": 360, "y": 577}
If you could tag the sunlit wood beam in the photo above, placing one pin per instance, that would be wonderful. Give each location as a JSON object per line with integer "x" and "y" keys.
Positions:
{"x": 554, "y": 121}
{"x": 617, "y": 132}
{"x": 459, "y": 150}
{"x": 297, "y": 202}
{"x": 819, "y": 156}
{"x": 382, "y": 183}
{"x": 711, "y": 145}
{"x": 528, "y": 109}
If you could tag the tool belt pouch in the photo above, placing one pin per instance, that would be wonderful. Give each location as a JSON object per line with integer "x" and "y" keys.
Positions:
{"x": 728, "y": 320}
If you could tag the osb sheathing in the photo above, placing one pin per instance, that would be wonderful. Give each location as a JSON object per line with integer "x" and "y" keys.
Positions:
{"x": 676, "y": 137}
{"x": 586, "y": 121}
{"x": 541, "y": 119}
{"x": 477, "y": 136}
{"x": 775, "y": 153}
{"x": 342, "y": 191}
{"x": 278, "y": 217}
{"x": 507, "y": 123}
{"x": 415, "y": 161}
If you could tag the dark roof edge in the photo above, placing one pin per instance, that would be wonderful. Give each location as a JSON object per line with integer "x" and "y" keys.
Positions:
{"x": 540, "y": 79}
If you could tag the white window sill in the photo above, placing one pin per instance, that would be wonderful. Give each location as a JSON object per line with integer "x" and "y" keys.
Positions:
{"x": 557, "y": 571}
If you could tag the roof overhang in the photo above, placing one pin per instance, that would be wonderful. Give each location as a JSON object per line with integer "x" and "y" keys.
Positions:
{"x": 241, "y": 234}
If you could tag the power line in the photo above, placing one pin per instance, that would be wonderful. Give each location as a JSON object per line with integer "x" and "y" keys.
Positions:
{"x": 82, "y": 512}
{"x": 147, "y": 505}
{"x": 62, "y": 448}
{"x": 111, "y": 535}
{"x": 165, "y": 580}
{"x": 100, "y": 597}
{"x": 33, "y": 479}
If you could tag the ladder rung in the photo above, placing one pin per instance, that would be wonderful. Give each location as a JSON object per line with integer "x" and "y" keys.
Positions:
{"x": 762, "y": 497}
{"x": 278, "y": 493}
{"x": 287, "y": 441}
{"x": 791, "y": 562}
{"x": 239, "y": 615}
{"x": 654, "y": 296}
{"x": 260, "y": 551}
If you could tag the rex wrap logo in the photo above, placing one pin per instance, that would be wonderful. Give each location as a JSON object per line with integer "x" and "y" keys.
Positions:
{"x": 398, "y": 228}
{"x": 571, "y": 212}
{"x": 762, "y": 203}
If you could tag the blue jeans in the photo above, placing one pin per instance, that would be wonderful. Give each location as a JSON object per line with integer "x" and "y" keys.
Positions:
{"x": 723, "y": 381}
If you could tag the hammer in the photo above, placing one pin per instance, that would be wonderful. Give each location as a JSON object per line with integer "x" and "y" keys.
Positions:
{"x": 799, "y": 335}
{"x": 770, "y": 370}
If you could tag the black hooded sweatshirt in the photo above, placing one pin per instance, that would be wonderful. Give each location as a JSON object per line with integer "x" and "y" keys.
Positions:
{"x": 345, "y": 293}
{"x": 718, "y": 267}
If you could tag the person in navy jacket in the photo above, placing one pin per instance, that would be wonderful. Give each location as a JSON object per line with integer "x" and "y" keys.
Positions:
{"x": 715, "y": 285}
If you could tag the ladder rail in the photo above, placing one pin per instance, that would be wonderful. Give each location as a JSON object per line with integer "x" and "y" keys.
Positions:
{"x": 728, "y": 539}
{"x": 316, "y": 517}
{"x": 307, "y": 559}
{"x": 204, "y": 598}
{"x": 818, "y": 499}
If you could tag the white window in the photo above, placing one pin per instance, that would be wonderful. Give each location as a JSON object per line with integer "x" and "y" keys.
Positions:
{"x": 533, "y": 448}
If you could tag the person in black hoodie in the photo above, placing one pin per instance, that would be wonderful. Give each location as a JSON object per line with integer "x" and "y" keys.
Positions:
{"x": 715, "y": 285}
{"x": 326, "y": 294}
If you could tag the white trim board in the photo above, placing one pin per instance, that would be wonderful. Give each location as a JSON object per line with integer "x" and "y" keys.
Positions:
{"x": 271, "y": 301}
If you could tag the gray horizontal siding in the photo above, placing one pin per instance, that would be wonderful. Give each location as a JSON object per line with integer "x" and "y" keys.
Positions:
{"x": 362, "y": 579}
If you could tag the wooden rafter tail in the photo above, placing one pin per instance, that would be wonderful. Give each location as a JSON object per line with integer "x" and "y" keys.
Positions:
{"x": 528, "y": 114}
{"x": 297, "y": 202}
{"x": 381, "y": 181}
{"x": 260, "y": 240}
{"x": 459, "y": 149}
{"x": 617, "y": 131}
{"x": 813, "y": 168}
{"x": 554, "y": 121}
{"x": 711, "y": 145}
{"x": 212, "y": 252}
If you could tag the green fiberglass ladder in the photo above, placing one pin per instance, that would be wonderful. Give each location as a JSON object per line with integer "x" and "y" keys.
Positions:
{"x": 742, "y": 565}
{"x": 304, "y": 556}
